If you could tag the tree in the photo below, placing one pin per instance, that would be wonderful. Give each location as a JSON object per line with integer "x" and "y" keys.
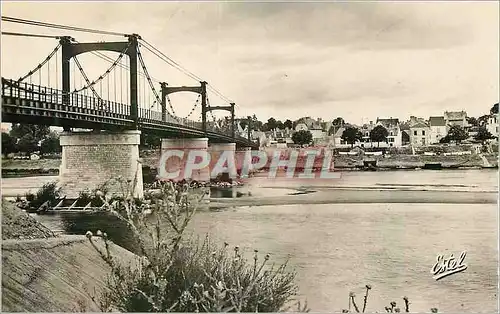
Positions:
{"x": 472, "y": 121}
{"x": 280, "y": 125}
{"x": 271, "y": 124}
{"x": 27, "y": 144}
{"x": 379, "y": 134}
{"x": 150, "y": 140}
{"x": 302, "y": 137}
{"x": 288, "y": 124}
{"x": 494, "y": 109}
{"x": 483, "y": 134}
{"x": 8, "y": 144}
{"x": 38, "y": 132}
{"x": 50, "y": 144}
{"x": 457, "y": 133}
{"x": 338, "y": 121}
{"x": 482, "y": 120}
{"x": 445, "y": 139}
{"x": 351, "y": 135}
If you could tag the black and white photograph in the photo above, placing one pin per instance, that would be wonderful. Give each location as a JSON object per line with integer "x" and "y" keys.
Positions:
{"x": 250, "y": 156}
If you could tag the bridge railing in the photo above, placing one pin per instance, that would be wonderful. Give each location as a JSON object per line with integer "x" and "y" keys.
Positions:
{"x": 51, "y": 96}
{"x": 54, "y": 99}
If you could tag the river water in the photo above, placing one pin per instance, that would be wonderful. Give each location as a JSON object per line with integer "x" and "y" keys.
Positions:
{"x": 379, "y": 228}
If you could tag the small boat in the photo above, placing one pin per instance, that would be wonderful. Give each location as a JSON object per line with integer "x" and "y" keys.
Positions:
{"x": 433, "y": 166}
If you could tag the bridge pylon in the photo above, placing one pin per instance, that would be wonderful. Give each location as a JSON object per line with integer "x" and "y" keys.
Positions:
{"x": 71, "y": 49}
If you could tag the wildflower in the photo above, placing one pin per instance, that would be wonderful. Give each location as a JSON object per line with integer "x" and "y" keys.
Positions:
{"x": 267, "y": 257}
{"x": 256, "y": 251}
{"x": 214, "y": 253}
{"x": 434, "y": 310}
{"x": 88, "y": 234}
{"x": 352, "y": 294}
{"x": 397, "y": 310}
{"x": 104, "y": 235}
{"x": 99, "y": 233}
{"x": 368, "y": 287}
{"x": 393, "y": 304}
{"x": 405, "y": 298}
{"x": 237, "y": 248}
{"x": 99, "y": 193}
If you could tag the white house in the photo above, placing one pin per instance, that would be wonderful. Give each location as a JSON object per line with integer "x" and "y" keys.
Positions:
{"x": 438, "y": 129}
{"x": 492, "y": 124}
{"x": 420, "y": 133}
{"x": 456, "y": 118}
{"x": 394, "y": 138}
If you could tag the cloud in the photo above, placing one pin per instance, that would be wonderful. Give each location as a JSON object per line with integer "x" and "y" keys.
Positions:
{"x": 291, "y": 59}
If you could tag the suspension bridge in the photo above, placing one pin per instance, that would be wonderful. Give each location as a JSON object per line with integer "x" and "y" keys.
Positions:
{"x": 119, "y": 105}
{"x": 123, "y": 97}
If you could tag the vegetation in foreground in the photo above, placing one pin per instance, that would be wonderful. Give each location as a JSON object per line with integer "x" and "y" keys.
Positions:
{"x": 179, "y": 275}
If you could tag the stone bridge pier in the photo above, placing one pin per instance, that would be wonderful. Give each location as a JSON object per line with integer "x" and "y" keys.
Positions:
{"x": 93, "y": 159}
{"x": 222, "y": 155}
{"x": 183, "y": 159}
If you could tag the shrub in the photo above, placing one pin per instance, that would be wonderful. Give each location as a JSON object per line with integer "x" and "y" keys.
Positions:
{"x": 186, "y": 276}
{"x": 49, "y": 193}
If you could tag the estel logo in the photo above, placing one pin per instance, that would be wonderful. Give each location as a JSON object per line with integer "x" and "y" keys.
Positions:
{"x": 200, "y": 165}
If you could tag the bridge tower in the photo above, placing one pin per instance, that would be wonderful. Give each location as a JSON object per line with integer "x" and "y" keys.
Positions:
{"x": 92, "y": 159}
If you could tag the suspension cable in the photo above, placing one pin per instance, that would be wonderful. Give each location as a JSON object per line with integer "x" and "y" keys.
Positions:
{"x": 100, "y": 78}
{"x": 194, "y": 107}
{"x": 38, "y": 67}
{"x": 85, "y": 77}
{"x": 151, "y": 85}
{"x": 168, "y": 60}
{"x": 30, "y": 35}
{"x": 59, "y": 26}
{"x": 176, "y": 65}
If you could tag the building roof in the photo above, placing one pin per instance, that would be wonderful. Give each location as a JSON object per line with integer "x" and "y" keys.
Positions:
{"x": 388, "y": 122}
{"x": 455, "y": 115}
{"x": 404, "y": 126}
{"x": 437, "y": 121}
{"x": 419, "y": 124}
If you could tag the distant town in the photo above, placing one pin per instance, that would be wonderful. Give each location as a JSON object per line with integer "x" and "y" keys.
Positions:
{"x": 381, "y": 133}
{"x": 451, "y": 127}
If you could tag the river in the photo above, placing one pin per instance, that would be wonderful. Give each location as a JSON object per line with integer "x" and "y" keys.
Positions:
{"x": 379, "y": 228}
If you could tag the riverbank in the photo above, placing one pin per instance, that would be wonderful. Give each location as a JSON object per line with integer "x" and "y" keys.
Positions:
{"x": 42, "y": 272}
{"x": 12, "y": 167}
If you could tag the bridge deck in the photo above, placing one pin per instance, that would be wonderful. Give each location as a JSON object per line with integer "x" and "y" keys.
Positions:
{"x": 33, "y": 104}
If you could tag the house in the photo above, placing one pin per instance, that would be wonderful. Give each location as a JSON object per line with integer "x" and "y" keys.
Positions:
{"x": 438, "y": 129}
{"x": 365, "y": 129}
{"x": 316, "y": 127}
{"x": 456, "y": 118}
{"x": 419, "y": 133}
{"x": 301, "y": 127}
{"x": 392, "y": 125}
{"x": 492, "y": 124}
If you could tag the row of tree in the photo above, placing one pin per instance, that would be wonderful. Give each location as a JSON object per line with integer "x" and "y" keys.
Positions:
{"x": 28, "y": 138}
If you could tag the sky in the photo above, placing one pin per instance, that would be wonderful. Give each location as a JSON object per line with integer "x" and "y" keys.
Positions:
{"x": 355, "y": 60}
